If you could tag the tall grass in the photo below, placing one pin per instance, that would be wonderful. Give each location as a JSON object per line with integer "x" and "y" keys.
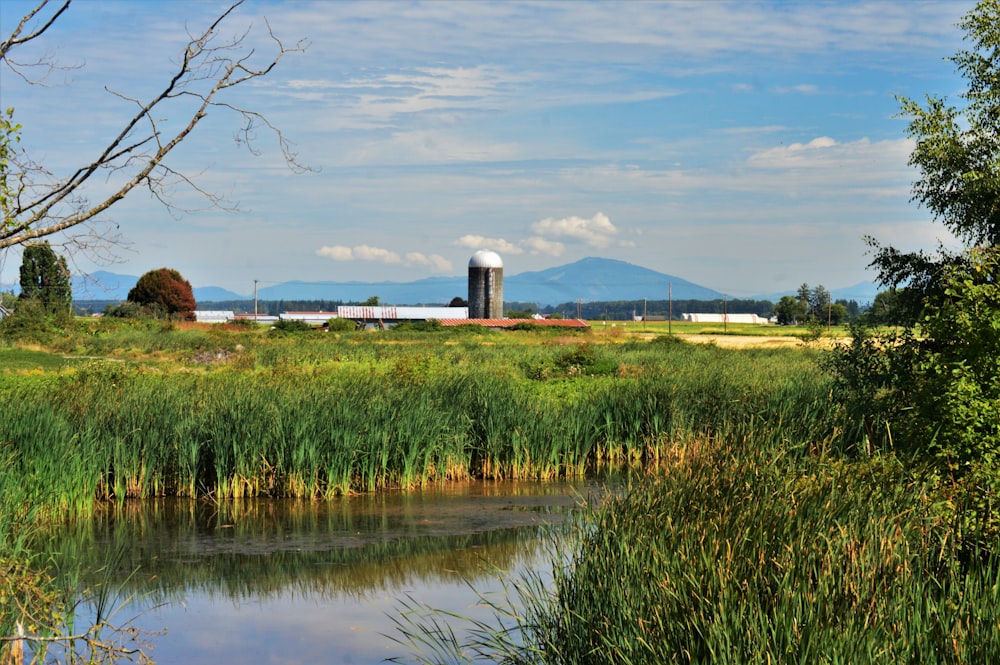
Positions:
{"x": 747, "y": 551}
{"x": 395, "y": 416}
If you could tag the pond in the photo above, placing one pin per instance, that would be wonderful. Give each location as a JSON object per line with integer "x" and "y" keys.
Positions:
{"x": 282, "y": 581}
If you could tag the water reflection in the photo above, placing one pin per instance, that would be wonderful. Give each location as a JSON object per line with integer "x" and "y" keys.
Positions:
{"x": 275, "y": 581}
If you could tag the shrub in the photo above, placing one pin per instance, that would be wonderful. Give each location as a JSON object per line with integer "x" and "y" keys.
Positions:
{"x": 341, "y": 325}
{"x": 290, "y": 327}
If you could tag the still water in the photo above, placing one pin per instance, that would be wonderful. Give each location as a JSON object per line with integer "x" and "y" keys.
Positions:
{"x": 291, "y": 582}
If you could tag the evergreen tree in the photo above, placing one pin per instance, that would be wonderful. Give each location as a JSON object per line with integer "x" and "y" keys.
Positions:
{"x": 45, "y": 278}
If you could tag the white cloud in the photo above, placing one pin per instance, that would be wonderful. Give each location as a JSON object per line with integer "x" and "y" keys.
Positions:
{"x": 851, "y": 159}
{"x": 359, "y": 253}
{"x": 336, "y": 252}
{"x": 482, "y": 242}
{"x": 598, "y": 231}
{"x": 539, "y": 245}
{"x": 375, "y": 254}
{"x": 435, "y": 261}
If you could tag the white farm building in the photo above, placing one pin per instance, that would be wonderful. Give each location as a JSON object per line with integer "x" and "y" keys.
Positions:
{"x": 725, "y": 318}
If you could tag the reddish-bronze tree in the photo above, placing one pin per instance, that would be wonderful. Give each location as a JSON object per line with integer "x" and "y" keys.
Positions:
{"x": 164, "y": 290}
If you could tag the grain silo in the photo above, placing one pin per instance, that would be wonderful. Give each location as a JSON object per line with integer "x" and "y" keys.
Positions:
{"x": 485, "y": 285}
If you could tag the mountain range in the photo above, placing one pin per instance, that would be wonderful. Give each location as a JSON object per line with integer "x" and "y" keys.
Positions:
{"x": 590, "y": 279}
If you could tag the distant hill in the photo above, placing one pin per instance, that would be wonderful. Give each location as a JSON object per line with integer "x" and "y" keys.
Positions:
{"x": 590, "y": 279}
{"x": 599, "y": 279}
{"x": 586, "y": 279}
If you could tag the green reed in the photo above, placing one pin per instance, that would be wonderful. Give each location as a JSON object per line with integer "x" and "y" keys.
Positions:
{"x": 748, "y": 551}
{"x": 331, "y": 416}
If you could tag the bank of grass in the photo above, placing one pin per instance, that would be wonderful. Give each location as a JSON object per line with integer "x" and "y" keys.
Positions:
{"x": 748, "y": 549}
{"x": 322, "y": 416}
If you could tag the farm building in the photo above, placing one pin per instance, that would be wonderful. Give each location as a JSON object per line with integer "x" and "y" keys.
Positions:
{"x": 312, "y": 318}
{"x": 393, "y": 314}
{"x": 213, "y": 315}
{"x": 257, "y": 318}
{"x": 725, "y": 318}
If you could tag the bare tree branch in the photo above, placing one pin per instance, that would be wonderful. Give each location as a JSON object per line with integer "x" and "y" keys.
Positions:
{"x": 19, "y": 38}
{"x": 39, "y": 204}
{"x": 16, "y": 38}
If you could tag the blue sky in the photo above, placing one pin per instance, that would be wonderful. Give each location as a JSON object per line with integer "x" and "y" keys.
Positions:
{"x": 744, "y": 146}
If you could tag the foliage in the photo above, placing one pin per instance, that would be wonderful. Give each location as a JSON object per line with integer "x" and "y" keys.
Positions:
{"x": 163, "y": 290}
{"x": 932, "y": 387}
{"x": 430, "y": 325}
{"x": 125, "y": 310}
{"x": 10, "y": 138}
{"x": 519, "y": 314}
{"x": 956, "y": 149}
{"x": 885, "y": 309}
{"x": 790, "y": 310}
{"x": 45, "y": 278}
{"x": 33, "y": 322}
{"x": 813, "y": 304}
{"x": 341, "y": 325}
{"x": 291, "y": 327}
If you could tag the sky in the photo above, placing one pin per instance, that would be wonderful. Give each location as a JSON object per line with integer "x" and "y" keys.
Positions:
{"x": 748, "y": 147}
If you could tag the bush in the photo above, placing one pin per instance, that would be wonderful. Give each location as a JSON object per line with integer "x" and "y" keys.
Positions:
{"x": 341, "y": 325}
{"x": 432, "y": 325}
{"x": 35, "y": 322}
{"x": 291, "y": 327}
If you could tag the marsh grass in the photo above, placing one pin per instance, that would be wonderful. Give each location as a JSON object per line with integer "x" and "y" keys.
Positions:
{"x": 744, "y": 551}
{"x": 362, "y": 413}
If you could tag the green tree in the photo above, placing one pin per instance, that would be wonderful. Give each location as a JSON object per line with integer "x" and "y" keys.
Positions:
{"x": 45, "y": 278}
{"x": 884, "y": 309}
{"x": 790, "y": 310}
{"x": 836, "y": 313}
{"x": 819, "y": 302}
{"x": 163, "y": 291}
{"x": 932, "y": 387}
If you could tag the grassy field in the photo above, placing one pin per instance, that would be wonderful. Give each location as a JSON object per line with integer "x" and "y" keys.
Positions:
{"x": 765, "y": 527}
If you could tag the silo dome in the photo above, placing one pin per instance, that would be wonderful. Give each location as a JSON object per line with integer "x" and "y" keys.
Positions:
{"x": 485, "y": 258}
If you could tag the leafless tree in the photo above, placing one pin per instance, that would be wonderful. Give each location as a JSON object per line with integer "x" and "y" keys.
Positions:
{"x": 37, "y": 202}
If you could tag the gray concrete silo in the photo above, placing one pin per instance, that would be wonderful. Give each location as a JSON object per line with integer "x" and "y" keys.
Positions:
{"x": 485, "y": 285}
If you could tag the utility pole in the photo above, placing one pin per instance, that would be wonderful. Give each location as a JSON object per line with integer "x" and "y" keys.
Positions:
{"x": 255, "y": 301}
{"x": 670, "y": 308}
{"x": 725, "y": 315}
